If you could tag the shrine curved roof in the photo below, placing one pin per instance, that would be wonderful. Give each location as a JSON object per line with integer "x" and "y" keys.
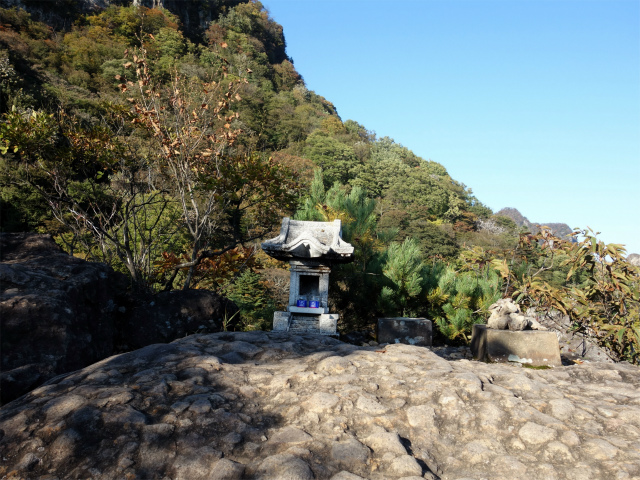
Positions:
{"x": 300, "y": 240}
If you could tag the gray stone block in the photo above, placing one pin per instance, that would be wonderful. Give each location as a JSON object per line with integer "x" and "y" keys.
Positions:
{"x": 412, "y": 331}
{"x": 530, "y": 347}
{"x": 281, "y": 321}
{"x": 328, "y": 323}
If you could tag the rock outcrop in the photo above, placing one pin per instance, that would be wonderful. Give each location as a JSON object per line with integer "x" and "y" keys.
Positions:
{"x": 166, "y": 316}
{"x": 57, "y": 312}
{"x": 195, "y": 15}
{"x": 561, "y": 230}
{"x": 259, "y": 405}
{"x": 574, "y": 345}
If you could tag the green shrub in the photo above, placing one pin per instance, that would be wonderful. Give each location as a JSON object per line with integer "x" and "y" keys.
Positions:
{"x": 456, "y": 300}
{"x": 249, "y": 292}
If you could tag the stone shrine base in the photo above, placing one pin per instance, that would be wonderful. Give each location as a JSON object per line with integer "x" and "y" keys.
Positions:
{"x": 322, "y": 324}
{"x": 410, "y": 331}
{"x": 530, "y": 347}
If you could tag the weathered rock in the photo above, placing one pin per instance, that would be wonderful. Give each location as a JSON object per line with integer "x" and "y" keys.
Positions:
{"x": 57, "y": 312}
{"x": 166, "y": 316}
{"x": 573, "y": 345}
{"x": 405, "y": 466}
{"x": 284, "y": 467}
{"x": 634, "y": 259}
{"x": 383, "y": 441}
{"x": 195, "y": 16}
{"x": 506, "y": 314}
{"x": 308, "y": 406}
{"x": 350, "y": 454}
{"x": 60, "y": 313}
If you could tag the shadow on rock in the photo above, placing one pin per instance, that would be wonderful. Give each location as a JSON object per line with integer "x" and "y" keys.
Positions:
{"x": 60, "y": 313}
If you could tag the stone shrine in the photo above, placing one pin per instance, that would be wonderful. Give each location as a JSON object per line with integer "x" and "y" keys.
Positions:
{"x": 511, "y": 336}
{"x": 310, "y": 248}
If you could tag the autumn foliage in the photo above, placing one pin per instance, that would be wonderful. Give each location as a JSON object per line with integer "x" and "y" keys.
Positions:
{"x": 170, "y": 153}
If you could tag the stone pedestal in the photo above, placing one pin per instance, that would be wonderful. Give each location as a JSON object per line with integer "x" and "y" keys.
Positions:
{"x": 536, "y": 348}
{"x": 323, "y": 324}
{"x": 412, "y": 331}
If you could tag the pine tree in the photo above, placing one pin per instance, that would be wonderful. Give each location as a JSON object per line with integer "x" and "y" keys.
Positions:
{"x": 402, "y": 268}
{"x": 252, "y": 297}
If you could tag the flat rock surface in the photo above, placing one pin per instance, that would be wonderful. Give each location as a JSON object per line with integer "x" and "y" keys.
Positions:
{"x": 275, "y": 406}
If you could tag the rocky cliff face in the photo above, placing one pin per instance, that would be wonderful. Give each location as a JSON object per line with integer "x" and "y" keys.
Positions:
{"x": 195, "y": 15}
{"x": 259, "y": 405}
{"x": 559, "y": 229}
{"x": 634, "y": 259}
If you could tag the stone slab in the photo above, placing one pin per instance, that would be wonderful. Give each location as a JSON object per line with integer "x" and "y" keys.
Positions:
{"x": 313, "y": 311}
{"x": 281, "y": 321}
{"x": 411, "y": 331}
{"x": 530, "y": 347}
{"x": 328, "y": 323}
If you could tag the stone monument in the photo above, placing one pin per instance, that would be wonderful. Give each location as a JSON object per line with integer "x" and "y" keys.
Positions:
{"x": 310, "y": 248}
{"x": 512, "y": 337}
{"x": 411, "y": 331}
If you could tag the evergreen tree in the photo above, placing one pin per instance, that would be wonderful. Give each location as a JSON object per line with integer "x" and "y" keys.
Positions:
{"x": 252, "y": 297}
{"x": 402, "y": 268}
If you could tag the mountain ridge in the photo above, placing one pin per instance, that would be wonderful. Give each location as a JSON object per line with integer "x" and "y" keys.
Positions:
{"x": 195, "y": 15}
{"x": 279, "y": 114}
{"x": 559, "y": 229}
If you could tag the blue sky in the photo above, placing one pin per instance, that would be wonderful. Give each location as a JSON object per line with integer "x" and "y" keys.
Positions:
{"x": 534, "y": 104}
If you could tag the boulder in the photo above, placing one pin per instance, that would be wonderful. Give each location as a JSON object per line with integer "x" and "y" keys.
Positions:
{"x": 57, "y": 312}
{"x": 574, "y": 345}
{"x": 634, "y": 259}
{"x": 60, "y": 313}
{"x": 166, "y": 316}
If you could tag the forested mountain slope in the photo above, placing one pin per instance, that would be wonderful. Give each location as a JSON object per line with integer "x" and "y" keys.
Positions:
{"x": 168, "y": 142}
{"x": 76, "y": 68}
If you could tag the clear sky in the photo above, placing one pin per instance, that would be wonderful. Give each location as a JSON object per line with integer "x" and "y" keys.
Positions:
{"x": 534, "y": 104}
